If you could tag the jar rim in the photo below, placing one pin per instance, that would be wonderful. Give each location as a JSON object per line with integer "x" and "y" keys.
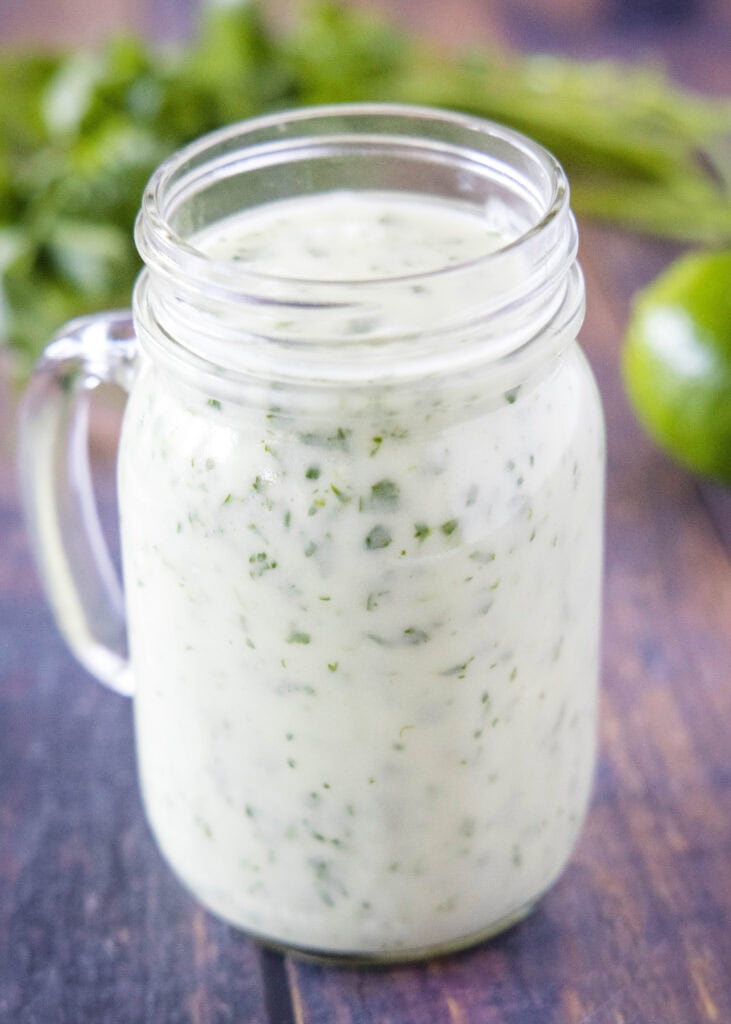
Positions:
{"x": 468, "y": 158}
{"x": 161, "y": 245}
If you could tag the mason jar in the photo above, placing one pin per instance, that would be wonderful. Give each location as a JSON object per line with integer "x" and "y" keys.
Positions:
{"x": 360, "y": 490}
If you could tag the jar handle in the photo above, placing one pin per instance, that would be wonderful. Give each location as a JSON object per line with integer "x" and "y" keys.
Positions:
{"x": 76, "y": 569}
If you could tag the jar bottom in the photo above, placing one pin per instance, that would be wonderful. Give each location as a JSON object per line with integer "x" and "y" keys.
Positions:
{"x": 359, "y": 958}
{"x": 385, "y": 958}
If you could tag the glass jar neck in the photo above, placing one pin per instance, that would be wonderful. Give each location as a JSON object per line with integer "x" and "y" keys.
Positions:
{"x": 500, "y": 312}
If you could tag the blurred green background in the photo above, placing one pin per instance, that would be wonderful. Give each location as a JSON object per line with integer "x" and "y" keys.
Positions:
{"x": 93, "y": 96}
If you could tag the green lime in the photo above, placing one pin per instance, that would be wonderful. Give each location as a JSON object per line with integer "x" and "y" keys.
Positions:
{"x": 677, "y": 362}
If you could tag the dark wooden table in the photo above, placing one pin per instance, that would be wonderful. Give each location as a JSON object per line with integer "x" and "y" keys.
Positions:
{"x": 93, "y": 928}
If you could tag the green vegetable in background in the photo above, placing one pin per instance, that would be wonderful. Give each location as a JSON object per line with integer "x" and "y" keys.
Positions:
{"x": 677, "y": 361}
{"x": 83, "y": 132}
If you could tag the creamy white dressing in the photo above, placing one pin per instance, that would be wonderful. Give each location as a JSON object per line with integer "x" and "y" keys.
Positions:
{"x": 366, "y": 641}
{"x": 340, "y": 237}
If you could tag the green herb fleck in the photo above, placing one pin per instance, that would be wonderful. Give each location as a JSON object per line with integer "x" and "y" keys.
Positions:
{"x": 416, "y": 636}
{"x": 260, "y": 563}
{"x": 483, "y": 557}
{"x": 511, "y": 396}
{"x": 458, "y": 670}
{"x": 214, "y": 403}
{"x": 421, "y": 531}
{"x": 344, "y": 499}
{"x": 379, "y": 537}
{"x": 313, "y": 473}
{"x": 384, "y": 494}
{"x": 339, "y": 440}
{"x": 227, "y": 499}
{"x": 296, "y": 637}
{"x": 333, "y": 665}
{"x": 449, "y": 527}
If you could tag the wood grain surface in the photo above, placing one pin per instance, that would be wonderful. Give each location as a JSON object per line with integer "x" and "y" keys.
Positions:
{"x": 94, "y": 928}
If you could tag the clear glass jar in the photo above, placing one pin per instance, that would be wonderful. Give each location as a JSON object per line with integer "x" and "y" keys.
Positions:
{"x": 361, "y": 526}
